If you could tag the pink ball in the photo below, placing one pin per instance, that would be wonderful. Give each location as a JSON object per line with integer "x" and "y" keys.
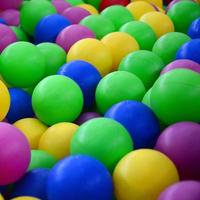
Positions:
{"x": 11, "y": 16}
{"x": 75, "y": 14}
{"x": 72, "y": 34}
{"x": 9, "y": 4}
{"x": 14, "y": 154}
{"x": 60, "y": 5}
{"x": 7, "y": 36}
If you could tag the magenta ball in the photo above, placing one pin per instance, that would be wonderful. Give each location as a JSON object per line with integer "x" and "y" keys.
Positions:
{"x": 87, "y": 116}
{"x": 7, "y": 36}
{"x": 60, "y": 5}
{"x": 72, "y": 34}
{"x": 185, "y": 190}
{"x": 180, "y": 142}
{"x": 75, "y": 14}
{"x": 14, "y": 154}
{"x": 10, "y": 4}
{"x": 11, "y": 16}
{"x": 183, "y": 63}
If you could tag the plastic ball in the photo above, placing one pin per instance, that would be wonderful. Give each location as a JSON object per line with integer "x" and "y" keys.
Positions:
{"x": 107, "y": 3}
{"x": 175, "y": 96}
{"x": 95, "y": 52}
{"x": 14, "y": 154}
{"x": 146, "y": 65}
{"x": 8, "y": 4}
{"x": 91, "y": 9}
{"x": 54, "y": 55}
{"x": 147, "y": 98}
{"x": 20, "y": 34}
{"x": 194, "y": 29}
{"x": 67, "y": 181}
{"x": 1, "y": 197}
{"x": 167, "y": 46}
{"x": 94, "y": 3}
{"x": 120, "y": 45}
{"x": 190, "y": 50}
{"x": 11, "y": 17}
{"x": 2, "y": 21}
{"x": 113, "y": 13}
{"x": 86, "y": 76}
{"x": 187, "y": 10}
{"x": 175, "y": 140}
{"x": 61, "y": 5}
{"x": 157, "y": 3}
{"x": 111, "y": 142}
{"x": 25, "y": 198}
{"x": 134, "y": 180}
{"x": 33, "y": 129}
{"x": 75, "y": 2}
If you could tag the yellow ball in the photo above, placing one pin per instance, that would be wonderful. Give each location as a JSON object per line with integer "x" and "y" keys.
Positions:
{"x": 25, "y": 198}
{"x": 139, "y": 8}
{"x": 1, "y": 197}
{"x": 143, "y": 175}
{"x": 158, "y": 3}
{"x": 56, "y": 140}
{"x": 32, "y": 129}
{"x": 91, "y": 9}
{"x": 159, "y": 22}
{"x": 120, "y": 45}
{"x": 94, "y": 52}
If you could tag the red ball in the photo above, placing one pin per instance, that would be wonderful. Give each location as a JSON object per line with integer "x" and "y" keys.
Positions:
{"x": 106, "y": 3}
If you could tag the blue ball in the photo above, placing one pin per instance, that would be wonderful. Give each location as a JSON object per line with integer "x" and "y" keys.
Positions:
{"x": 86, "y": 76}
{"x": 79, "y": 177}
{"x": 139, "y": 120}
{"x": 2, "y": 21}
{"x": 20, "y": 105}
{"x": 190, "y": 50}
{"x": 194, "y": 29}
{"x": 49, "y": 27}
{"x": 32, "y": 184}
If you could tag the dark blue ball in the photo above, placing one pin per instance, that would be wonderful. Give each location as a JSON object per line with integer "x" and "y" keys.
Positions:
{"x": 2, "y": 21}
{"x": 20, "y": 106}
{"x": 139, "y": 120}
{"x": 194, "y": 29}
{"x": 49, "y": 27}
{"x": 86, "y": 76}
{"x": 79, "y": 177}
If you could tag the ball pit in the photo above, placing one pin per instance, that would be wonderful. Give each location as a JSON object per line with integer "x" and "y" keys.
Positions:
{"x": 194, "y": 29}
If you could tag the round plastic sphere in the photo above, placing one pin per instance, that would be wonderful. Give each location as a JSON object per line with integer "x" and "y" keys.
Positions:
{"x": 175, "y": 96}
{"x": 142, "y": 182}
{"x": 2, "y": 21}
{"x": 61, "y": 5}
{"x": 25, "y": 198}
{"x": 75, "y": 2}
{"x": 194, "y": 29}
{"x": 7, "y": 4}
{"x": 72, "y": 34}
{"x": 54, "y": 55}
{"x": 95, "y": 3}
{"x": 32, "y": 128}
{"x": 187, "y": 10}
{"x": 157, "y": 3}
{"x": 100, "y": 25}
{"x": 9, "y": 39}
{"x": 11, "y": 16}
{"x": 146, "y": 65}
{"x": 111, "y": 89}
{"x": 15, "y": 154}
{"x": 20, "y": 34}
{"x": 41, "y": 159}
{"x": 65, "y": 178}
{"x": 32, "y": 184}
{"x": 111, "y": 142}
{"x": 185, "y": 190}
{"x": 145, "y": 40}
{"x": 86, "y": 117}
{"x": 91, "y": 9}
{"x": 186, "y": 64}
{"x": 22, "y": 74}
{"x": 147, "y": 98}
{"x": 120, "y": 45}
{"x": 32, "y": 12}
{"x": 1, "y": 197}
{"x": 179, "y": 137}
{"x": 86, "y": 76}
{"x": 57, "y": 99}
{"x": 95, "y": 52}
{"x": 190, "y": 50}
{"x": 49, "y": 27}
{"x": 75, "y": 14}
{"x": 159, "y": 22}
{"x": 107, "y": 3}
{"x": 139, "y": 120}
{"x": 113, "y": 13}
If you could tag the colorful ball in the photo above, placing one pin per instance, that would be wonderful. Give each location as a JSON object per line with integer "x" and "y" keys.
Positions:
{"x": 25, "y": 198}
{"x": 107, "y": 3}
{"x": 147, "y": 98}
{"x": 9, "y": 4}
{"x": 91, "y": 9}
{"x": 20, "y": 34}
{"x": 95, "y": 3}
{"x": 61, "y": 5}
{"x": 1, "y": 197}
{"x": 157, "y": 3}
{"x": 75, "y": 2}
{"x": 86, "y": 117}
{"x": 2, "y": 21}
{"x": 11, "y": 16}
{"x": 194, "y": 29}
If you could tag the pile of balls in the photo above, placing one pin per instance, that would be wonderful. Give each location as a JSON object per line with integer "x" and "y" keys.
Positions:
{"x": 99, "y": 100}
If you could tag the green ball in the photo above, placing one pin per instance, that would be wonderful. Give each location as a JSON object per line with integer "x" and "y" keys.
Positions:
{"x": 57, "y": 99}
{"x": 147, "y": 98}
{"x": 95, "y": 3}
{"x": 22, "y": 65}
{"x": 21, "y": 35}
{"x": 183, "y": 14}
{"x": 142, "y": 32}
{"x": 55, "y": 57}
{"x": 41, "y": 159}
{"x": 146, "y": 65}
{"x": 167, "y": 45}
{"x": 116, "y": 87}
{"x": 175, "y": 96}
{"x": 32, "y": 12}
{"x": 119, "y": 15}
{"x": 100, "y": 25}
{"x": 75, "y": 2}
{"x": 104, "y": 139}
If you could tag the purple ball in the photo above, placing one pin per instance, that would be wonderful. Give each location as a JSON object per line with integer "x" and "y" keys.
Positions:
{"x": 181, "y": 143}
{"x": 182, "y": 63}
{"x": 87, "y": 116}
{"x": 11, "y": 16}
{"x": 75, "y": 14}
{"x": 60, "y": 5}
{"x": 72, "y": 34}
{"x": 186, "y": 190}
